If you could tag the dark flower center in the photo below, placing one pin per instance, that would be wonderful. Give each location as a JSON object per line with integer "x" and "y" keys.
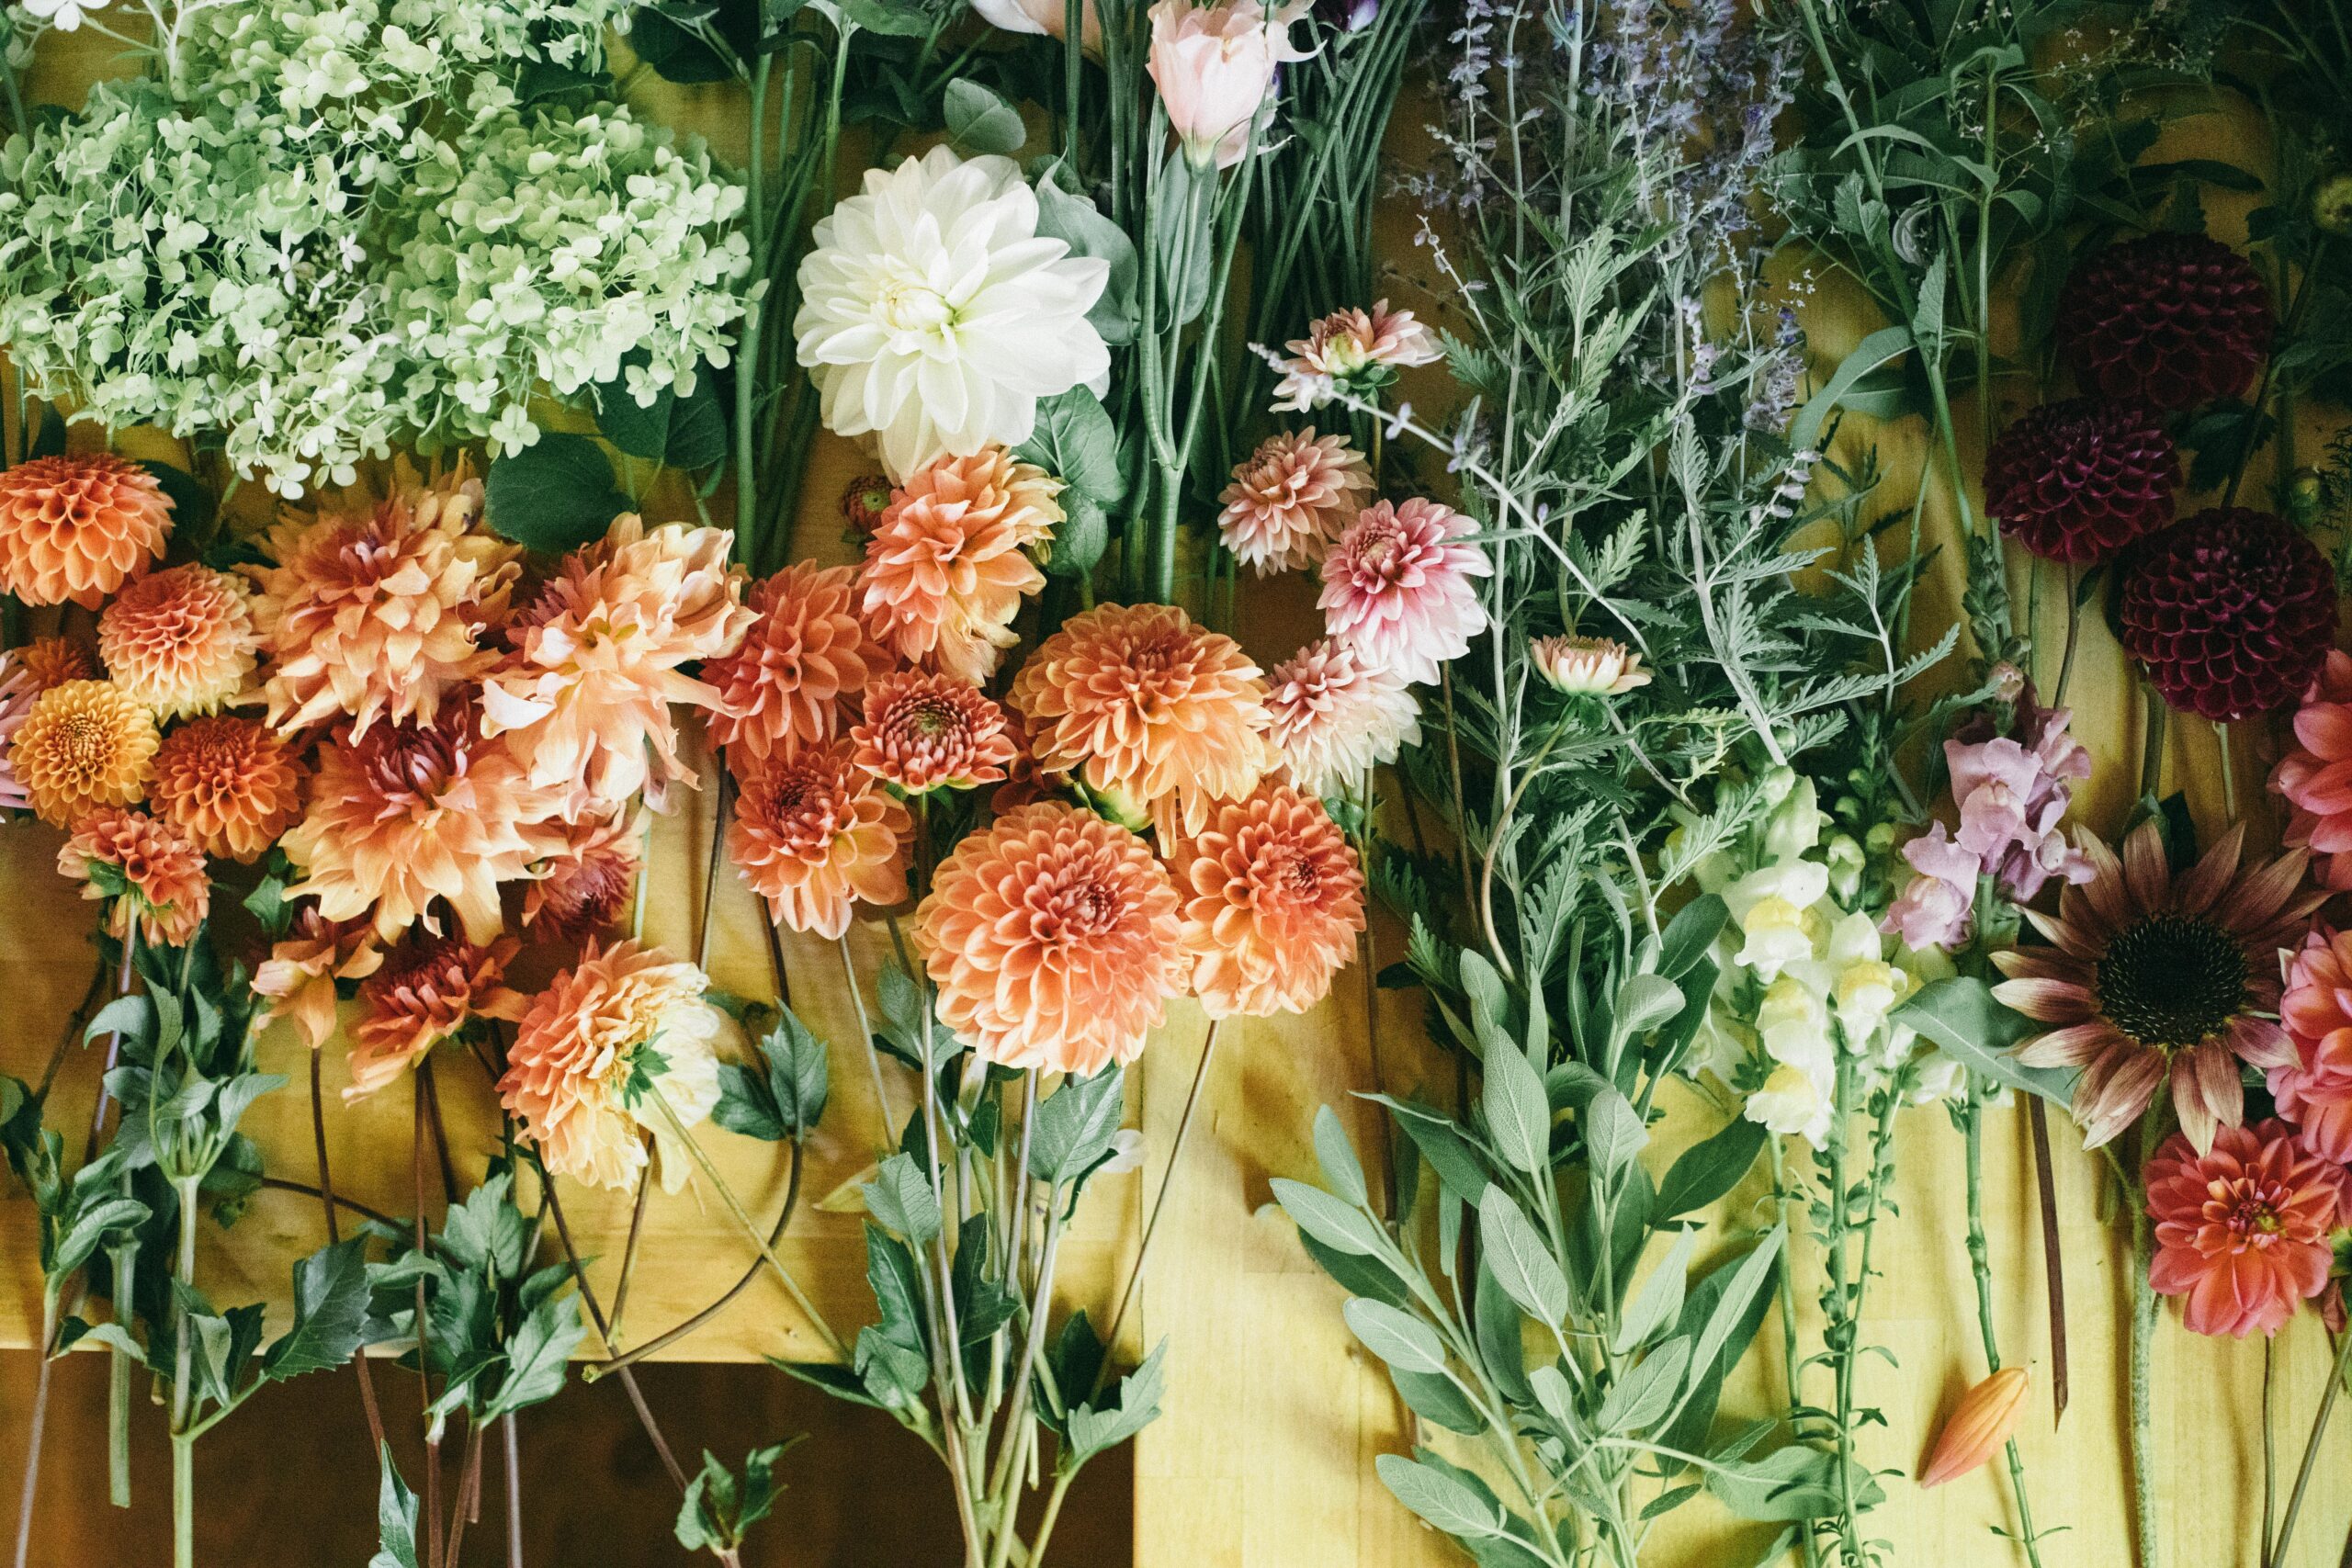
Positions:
{"x": 2172, "y": 981}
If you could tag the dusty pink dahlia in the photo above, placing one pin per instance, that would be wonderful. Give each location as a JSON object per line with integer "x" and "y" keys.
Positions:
{"x": 1397, "y": 587}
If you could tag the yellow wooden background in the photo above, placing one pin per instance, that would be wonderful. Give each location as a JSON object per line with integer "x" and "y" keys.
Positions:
{"x": 1263, "y": 1454}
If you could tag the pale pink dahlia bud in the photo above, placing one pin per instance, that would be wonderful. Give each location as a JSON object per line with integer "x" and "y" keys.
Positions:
{"x": 1588, "y": 666}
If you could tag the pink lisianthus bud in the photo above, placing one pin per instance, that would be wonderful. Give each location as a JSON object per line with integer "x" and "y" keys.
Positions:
{"x": 1050, "y": 17}
{"x": 1215, "y": 67}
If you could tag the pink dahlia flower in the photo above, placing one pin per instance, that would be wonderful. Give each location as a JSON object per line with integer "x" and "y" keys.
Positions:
{"x": 1397, "y": 587}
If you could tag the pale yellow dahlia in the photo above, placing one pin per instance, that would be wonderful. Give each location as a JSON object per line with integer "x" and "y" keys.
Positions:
{"x": 231, "y": 783}
{"x": 154, "y": 875}
{"x": 1273, "y": 902}
{"x": 179, "y": 640}
{"x": 82, "y": 745}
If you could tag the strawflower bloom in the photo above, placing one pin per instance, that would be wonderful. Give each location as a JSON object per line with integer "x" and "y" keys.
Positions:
{"x": 924, "y": 731}
{"x": 179, "y": 640}
{"x": 77, "y": 528}
{"x": 81, "y": 745}
{"x": 427, "y": 990}
{"x": 233, "y": 785}
{"x": 588, "y": 690}
{"x": 2242, "y": 1228}
{"x": 620, "y": 1045}
{"x": 1216, "y": 66}
{"x": 381, "y": 613}
{"x": 1335, "y": 717}
{"x": 805, "y": 653}
{"x": 1153, "y": 713}
{"x": 1055, "y": 939}
{"x": 297, "y": 981}
{"x": 2154, "y": 978}
{"x": 154, "y": 875}
{"x": 1359, "y": 351}
{"x": 1986, "y": 1418}
{"x": 2316, "y": 776}
{"x": 1273, "y": 899}
{"x": 581, "y": 889}
{"x": 935, "y": 317}
{"x": 814, "y": 834}
{"x": 53, "y": 660}
{"x": 414, "y": 813}
{"x": 1588, "y": 666}
{"x": 1398, "y": 586}
{"x": 2315, "y": 1090}
{"x": 1292, "y": 499}
{"x": 948, "y": 567}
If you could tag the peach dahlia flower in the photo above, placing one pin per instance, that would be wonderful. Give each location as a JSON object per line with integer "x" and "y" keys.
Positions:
{"x": 814, "y": 833}
{"x": 1335, "y": 717}
{"x": 426, "y": 989}
{"x": 595, "y": 1050}
{"x": 948, "y": 567}
{"x": 805, "y": 653}
{"x": 2315, "y": 1091}
{"x": 381, "y": 613}
{"x": 158, "y": 875}
{"x": 1273, "y": 902}
{"x": 1354, "y": 349}
{"x": 1292, "y": 499}
{"x": 2243, "y": 1228}
{"x": 82, "y": 745}
{"x": 588, "y": 690}
{"x": 180, "y": 640}
{"x": 924, "y": 731}
{"x": 17, "y": 691}
{"x": 53, "y": 660}
{"x": 1053, "y": 939}
{"x": 1588, "y": 666}
{"x": 73, "y": 529}
{"x": 231, "y": 783}
{"x": 297, "y": 981}
{"x": 583, "y": 886}
{"x": 2316, "y": 775}
{"x": 1153, "y": 713}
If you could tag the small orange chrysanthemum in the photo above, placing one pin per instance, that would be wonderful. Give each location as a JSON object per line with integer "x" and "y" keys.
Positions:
{"x": 379, "y": 614}
{"x": 412, "y": 813}
{"x": 805, "y": 651}
{"x": 945, "y": 570}
{"x": 158, "y": 875}
{"x": 230, "y": 783}
{"x": 426, "y": 990}
{"x": 1273, "y": 902}
{"x": 585, "y": 885}
{"x": 297, "y": 980}
{"x": 78, "y": 528}
{"x": 595, "y": 1047}
{"x": 1292, "y": 499}
{"x": 179, "y": 640}
{"x": 597, "y": 660}
{"x": 53, "y": 660}
{"x": 814, "y": 833}
{"x": 1154, "y": 712}
{"x": 1055, "y": 940}
{"x": 83, "y": 744}
{"x": 922, "y": 731}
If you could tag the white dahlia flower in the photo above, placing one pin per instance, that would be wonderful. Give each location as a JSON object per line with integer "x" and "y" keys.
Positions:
{"x": 933, "y": 315}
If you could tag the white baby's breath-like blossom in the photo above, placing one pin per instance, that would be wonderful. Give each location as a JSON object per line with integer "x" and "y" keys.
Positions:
{"x": 935, "y": 317}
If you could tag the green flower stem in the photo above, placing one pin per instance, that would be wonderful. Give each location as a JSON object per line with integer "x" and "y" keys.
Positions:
{"x": 183, "y": 1389}
{"x": 2146, "y": 1306}
{"x": 2275, "y": 1556}
{"x": 1980, "y": 1265}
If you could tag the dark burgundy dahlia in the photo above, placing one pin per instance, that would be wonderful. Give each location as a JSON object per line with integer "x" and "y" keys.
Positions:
{"x": 2231, "y": 612}
{"x": 2078, "y": 480}
{"x": 2173, "y": 320}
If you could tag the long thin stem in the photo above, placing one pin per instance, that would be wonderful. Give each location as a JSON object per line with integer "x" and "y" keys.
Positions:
{"x": 514, "y": 1468}
{"x": 334, "y": 1233}
{"x": 423, "y": 1338}
{"x": 183, "y": 1389}
{"x": 35, "y": 1429}
{"x": 1980, "y": 1265}
{"x": 1167, "y": 1181}
{"x": 2145, "y": 1306}
{"x": 2277, "y": 1556}
{"x": 2045, "y": 1178}
{"x": 873, "y": 1053}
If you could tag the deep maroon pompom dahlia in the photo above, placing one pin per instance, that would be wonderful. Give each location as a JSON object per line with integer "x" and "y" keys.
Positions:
{"x": 2078, "y": 480}
{"x": 2231, "y": 613}
{"x": 2173, "y": 320}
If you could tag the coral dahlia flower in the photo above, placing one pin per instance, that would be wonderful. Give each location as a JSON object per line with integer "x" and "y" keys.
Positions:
{"x": 153, "y": 874}
{"x": 814, "y": 833}
{"x": 2242, "y": 1229}
{"x": 1397, "y": 585}
{"x": 231, "y": 783}
{"x": 426, "y": 991}
{"x": 1356, "y": 350}
{"x": 412, "y": 813}
{"x": 381, "y": 613}
{"x": 76, "y": 528}
{"x": 805, "y": 651}
{"x": 53, "y": 660}
{"x": 179, "y": 640}
{"x": 922, "y": 731}
{"x": 2315, "y": 1090}
{"x": 1336, "y": 717}
{"x": 1292, "y": 499}
{"x": 1055, "y": 939}
{"x": 1153, "y": 713}
{"x": 596, "y": 665}
{"x": 81, "y": 745}
{"x": 595, "y": 1050}
{"x": 948, "y": 567}
{"x": 581, "y": 888}
{"x": 2316, "y": 776}
{"x": 1273, "y": 902}
{"x": 2153, "y": 978}
{"x": 297, "y": 979}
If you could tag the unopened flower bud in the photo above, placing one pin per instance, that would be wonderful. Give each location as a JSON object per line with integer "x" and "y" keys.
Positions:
{"x": 1880, "y": 838}
{"x": 2303, "y": 495}
{"x": 2332, "y": 205}
{"x": 1987, "y": 1415}
{"x": 1588, "y": 666}
{"x": 2007, "y": 681}
{"x": 1846, "y": 858}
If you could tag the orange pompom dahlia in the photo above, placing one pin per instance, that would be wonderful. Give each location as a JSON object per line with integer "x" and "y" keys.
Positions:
{"x": 426, "y": 990}
{"x": 582, "y": 888}
{"x": 814, "y": 833}
{"x": 597, "y": 659}
{"x": 231, "y": 783}
{"x": 82, "y": 745}
{"x": 380, "y": 614}
{"x": 154, "y": 875}
{"x": 1055, "y": 939}
{"x": 297, "y": 979}
{"x": 922, "y": 731}
{"x": 946, "y": 568}
{"x": 412, "y": 813}
{"x": 805, "y": 651}
{"x": 179, "y": 640}
{"x": 1155, "y": 714}
{"x": 1273, "y": 902}
{"x": 53, "y": 660}
{"x": 77, "y": 528}
{"x": 595, "y": 1050}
